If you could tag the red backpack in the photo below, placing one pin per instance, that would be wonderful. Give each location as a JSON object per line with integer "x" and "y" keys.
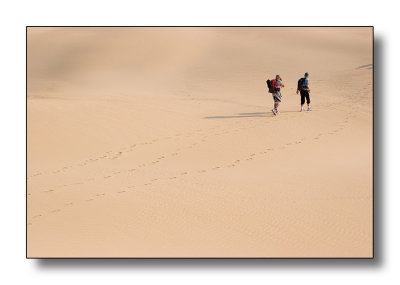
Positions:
{"x": 271, "y": 85}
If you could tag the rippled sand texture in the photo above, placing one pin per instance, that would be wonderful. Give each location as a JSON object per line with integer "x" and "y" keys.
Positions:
{"x": 160, "y": 142}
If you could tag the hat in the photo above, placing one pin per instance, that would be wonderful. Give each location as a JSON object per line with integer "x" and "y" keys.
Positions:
{"x": 306, "y": 74}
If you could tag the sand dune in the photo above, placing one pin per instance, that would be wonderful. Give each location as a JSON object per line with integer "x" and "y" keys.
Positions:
{"x": 159, "y": 142}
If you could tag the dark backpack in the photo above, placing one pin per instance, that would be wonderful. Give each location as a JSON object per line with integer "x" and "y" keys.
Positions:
{"x": 271, "y": 85}
{"x": 301, "y": 84}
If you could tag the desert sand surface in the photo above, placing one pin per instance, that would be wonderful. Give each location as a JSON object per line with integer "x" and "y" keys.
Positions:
{"x": 160, "y": 142}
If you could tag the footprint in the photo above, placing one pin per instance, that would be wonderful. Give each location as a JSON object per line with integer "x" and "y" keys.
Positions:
{"x": 174, "y": 177}
{"x": 48, "y": 191}
{"x": 183, "y": 173}
{"x": 89, "y": 200}
{"x": 68, "y": 204}
{"x": 217, "y": 167}
{"x": 202, "y": 171}
{"x": 36, "y": 216}
{"x": 56, "y": 210}
{"x": 120, "y": 192}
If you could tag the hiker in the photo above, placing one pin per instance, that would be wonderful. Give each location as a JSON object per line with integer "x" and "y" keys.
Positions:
{"x": 304, "y": 88}
{"x": 276, "y": 86}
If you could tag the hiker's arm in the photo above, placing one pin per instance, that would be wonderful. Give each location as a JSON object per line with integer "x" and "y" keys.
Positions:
{"x": 308, "y": 87}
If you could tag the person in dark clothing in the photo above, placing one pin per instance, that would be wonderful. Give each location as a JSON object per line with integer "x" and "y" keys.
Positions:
{"x": 305, "y": 92}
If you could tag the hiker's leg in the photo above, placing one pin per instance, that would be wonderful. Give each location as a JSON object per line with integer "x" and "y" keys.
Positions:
{"x": 308, "y": 101}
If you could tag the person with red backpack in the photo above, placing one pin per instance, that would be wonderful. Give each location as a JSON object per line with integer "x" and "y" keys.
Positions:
{"x": 275, "y": 86}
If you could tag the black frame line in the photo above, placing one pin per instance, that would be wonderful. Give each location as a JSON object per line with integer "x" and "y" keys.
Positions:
{"x": 46, "y": 259}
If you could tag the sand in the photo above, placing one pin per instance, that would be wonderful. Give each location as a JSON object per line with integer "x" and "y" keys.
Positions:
{"x": 160, "y": 142}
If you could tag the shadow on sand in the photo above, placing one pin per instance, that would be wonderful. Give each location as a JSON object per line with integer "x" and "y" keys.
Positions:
{"x": 248, "y": 115}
